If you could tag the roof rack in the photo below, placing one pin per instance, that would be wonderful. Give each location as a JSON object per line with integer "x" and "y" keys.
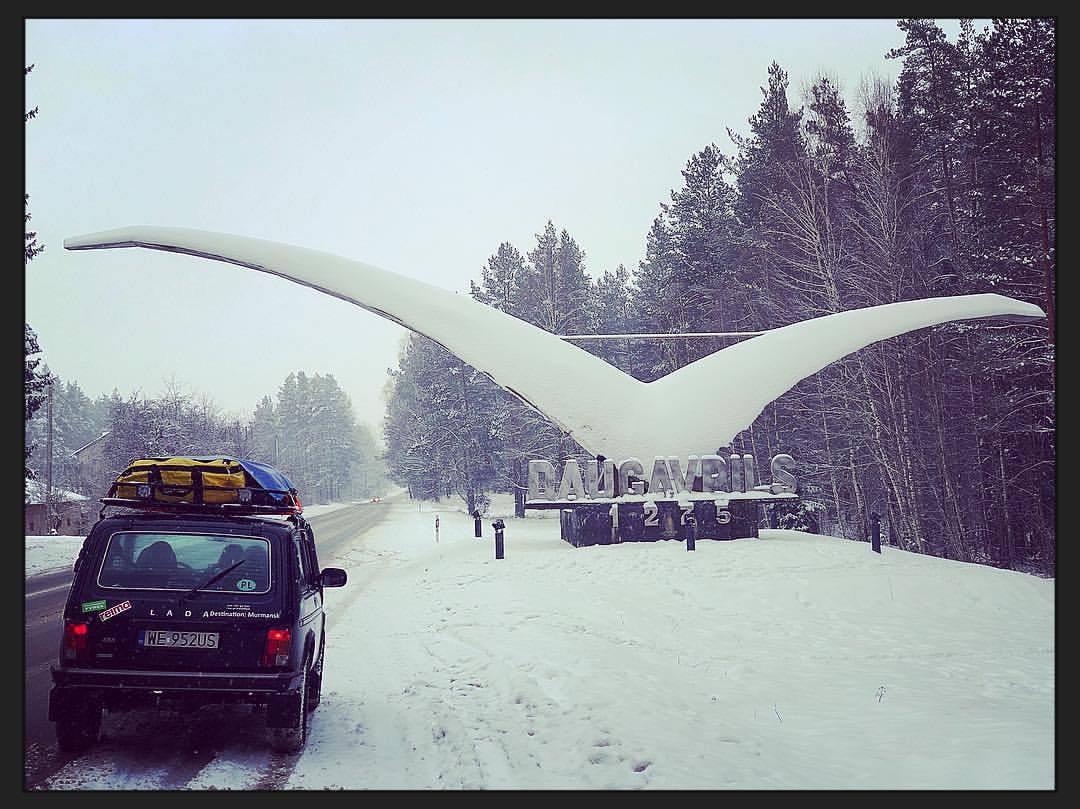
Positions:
{"x": 163, "y": 510}
{"x": 253, "y": 501}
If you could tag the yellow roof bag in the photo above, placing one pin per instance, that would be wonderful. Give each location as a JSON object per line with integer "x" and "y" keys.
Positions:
{"x": 183, "y": 480}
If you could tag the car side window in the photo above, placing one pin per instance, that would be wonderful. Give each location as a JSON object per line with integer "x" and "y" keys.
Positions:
{"x": 312, "y": 561}
{"x": 300, "y": 573}
{"x": 313, "y": 558}
{"x": 307, "y": 574}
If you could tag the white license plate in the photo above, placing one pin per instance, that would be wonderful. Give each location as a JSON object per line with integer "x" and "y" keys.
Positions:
{"x": 175, "y": 639}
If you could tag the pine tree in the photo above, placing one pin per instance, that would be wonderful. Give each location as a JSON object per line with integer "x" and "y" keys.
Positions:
{"x": 501, "y": 279}
{"x": 32, "y": 248}
{"x": 331, "y": 449}
{"x": 651, "y": 298}
{"x": 34, "y": 383}
{"x": 291, "y": 420}
{"x": 554, "y": 290}
{"x": 613, "y": 314}
{"x": 264, "y": 433}
{"x": 702, "y": 226}
{"x": 413, "y": 421}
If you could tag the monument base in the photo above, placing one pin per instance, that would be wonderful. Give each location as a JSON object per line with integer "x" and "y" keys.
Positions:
{"x": 598, "y": 524}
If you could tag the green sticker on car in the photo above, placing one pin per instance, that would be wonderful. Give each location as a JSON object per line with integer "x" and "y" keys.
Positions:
{"x": 93, "y": 606}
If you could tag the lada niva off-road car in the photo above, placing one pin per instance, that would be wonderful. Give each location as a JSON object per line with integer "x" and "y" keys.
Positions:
{"x": 203, "y": 588}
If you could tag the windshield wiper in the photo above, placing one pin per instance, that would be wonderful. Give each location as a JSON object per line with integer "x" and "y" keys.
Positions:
{"x": 213, "y": 579}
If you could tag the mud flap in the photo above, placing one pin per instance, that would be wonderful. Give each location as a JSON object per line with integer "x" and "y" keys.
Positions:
{"x": 282, "y": 710}
{"x": 67, "y": 702}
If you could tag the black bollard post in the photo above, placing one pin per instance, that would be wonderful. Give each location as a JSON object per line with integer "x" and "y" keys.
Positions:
{"x": 875, "y": 532}
{"x": 476, "y": 523}
{"x": 498, "y": 525}
{"x": 690, "y": 529}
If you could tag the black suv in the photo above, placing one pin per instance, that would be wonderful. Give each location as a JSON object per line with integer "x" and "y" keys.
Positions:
{"x": 193, "y": 608}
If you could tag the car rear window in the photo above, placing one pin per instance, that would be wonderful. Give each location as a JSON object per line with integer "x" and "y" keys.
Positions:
{"x": 136, "y": 560}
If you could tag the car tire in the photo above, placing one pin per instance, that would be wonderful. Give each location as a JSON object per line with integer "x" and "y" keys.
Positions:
{"x": 292, "y": 740}
{"x": 79, "y": 730}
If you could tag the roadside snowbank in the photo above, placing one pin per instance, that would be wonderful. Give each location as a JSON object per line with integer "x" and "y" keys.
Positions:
{"x": 48, "y": 553}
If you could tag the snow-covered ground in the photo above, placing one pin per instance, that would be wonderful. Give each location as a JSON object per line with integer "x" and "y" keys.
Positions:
{"x": 47, "y": 553}
{"x": 789, "y": 662}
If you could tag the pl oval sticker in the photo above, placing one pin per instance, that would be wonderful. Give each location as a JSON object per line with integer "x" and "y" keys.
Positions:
{"x": 245, "y": 584}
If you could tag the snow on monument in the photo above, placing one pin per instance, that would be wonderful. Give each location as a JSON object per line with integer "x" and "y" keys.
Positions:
{"x": 692, "y": 410}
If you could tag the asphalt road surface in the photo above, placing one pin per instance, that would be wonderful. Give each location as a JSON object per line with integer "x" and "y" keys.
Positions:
{"x": 46, "y": 594}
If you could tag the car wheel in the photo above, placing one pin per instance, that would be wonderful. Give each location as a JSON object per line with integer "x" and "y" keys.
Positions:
{"x": 292, "y": 740}
{"x": 79, "y": 730}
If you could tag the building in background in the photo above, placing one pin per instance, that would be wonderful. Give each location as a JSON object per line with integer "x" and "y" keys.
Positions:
{"x": 90, "y": 469}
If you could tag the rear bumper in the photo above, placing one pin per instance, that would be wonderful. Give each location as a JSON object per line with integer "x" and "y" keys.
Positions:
{"x": 74, "y": 689}
{"x": 175, "y": 681}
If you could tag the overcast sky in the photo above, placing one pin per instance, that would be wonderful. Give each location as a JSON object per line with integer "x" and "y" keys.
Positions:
{"x": 416, "y": 146}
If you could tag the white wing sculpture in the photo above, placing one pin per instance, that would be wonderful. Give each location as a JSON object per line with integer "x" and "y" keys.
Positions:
{"x": 695, "y": 409}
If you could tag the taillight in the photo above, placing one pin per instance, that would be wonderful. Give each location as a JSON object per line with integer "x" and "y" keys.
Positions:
{"x": 276, "y": 651}
{"x": 75, "y": 641}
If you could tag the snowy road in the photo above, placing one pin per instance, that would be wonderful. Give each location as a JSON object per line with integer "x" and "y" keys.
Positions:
{"x": 168, "y": 751}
